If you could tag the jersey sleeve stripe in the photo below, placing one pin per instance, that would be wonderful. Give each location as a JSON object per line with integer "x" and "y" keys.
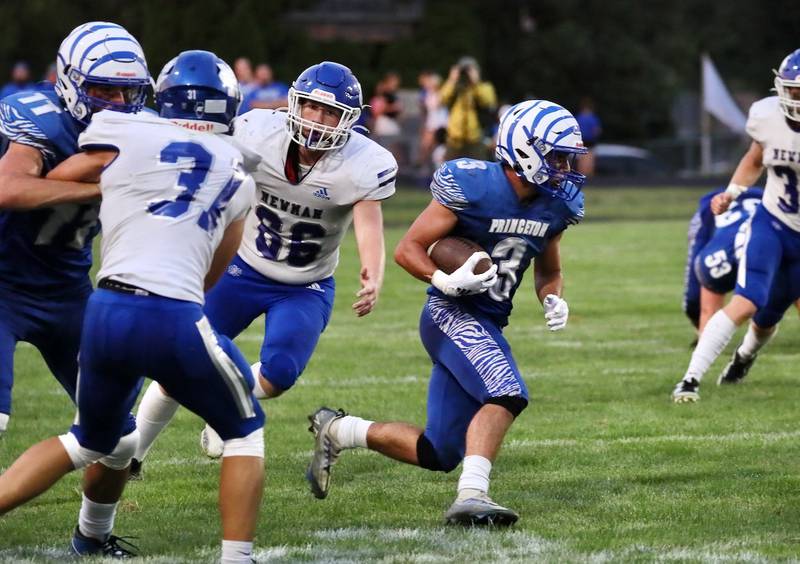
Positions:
{"x": 387, "y": 181}
{"x": 387, "y": 171}
{"x": 17, "y": 128}
{"x": 446, "y": 190}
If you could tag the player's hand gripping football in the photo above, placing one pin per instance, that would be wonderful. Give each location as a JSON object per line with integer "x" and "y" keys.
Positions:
{"x": 556, "y": 312}
{"x": 367, "y": 295}
{"x": 464, "y": 281}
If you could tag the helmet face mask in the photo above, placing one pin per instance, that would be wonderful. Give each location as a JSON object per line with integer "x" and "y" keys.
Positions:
{"x": 787, "y": 85}
{"x": 199, "y": 90}
{"x": 540, "y": 140}
{"x": 330, "y": 85}
{"x": 101, "y": 58}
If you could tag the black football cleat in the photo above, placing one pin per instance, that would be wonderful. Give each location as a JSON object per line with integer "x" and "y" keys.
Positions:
{"x": 686, "y": 391}
{"x": 736, "y": 369}
{"x": 82, "y": 545}
{"x": 135, "y": 473}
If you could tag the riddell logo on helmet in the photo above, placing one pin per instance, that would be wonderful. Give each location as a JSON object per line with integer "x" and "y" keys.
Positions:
{"x": 119, "y": 73}
{"x": 324, "y": 94}
{"x": 194, "y": 125}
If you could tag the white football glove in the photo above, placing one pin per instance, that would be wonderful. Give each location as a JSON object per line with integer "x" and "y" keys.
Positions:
{"x": 463, "y": 281}
{"x": 556, "y": 312}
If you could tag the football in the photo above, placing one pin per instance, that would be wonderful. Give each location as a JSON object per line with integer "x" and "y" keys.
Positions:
{"x": 449, "y": 253}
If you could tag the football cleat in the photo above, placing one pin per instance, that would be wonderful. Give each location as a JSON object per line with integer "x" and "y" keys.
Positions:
{"x": 211, "y": 443}
{"x": 326, "y": 451}
{"x": 686, "y": 391}
{"x": 736, "y": 369}
{"x": 82, "y": 545}
{"x": 135, "y": 473}
{"x": 479, "y": 511}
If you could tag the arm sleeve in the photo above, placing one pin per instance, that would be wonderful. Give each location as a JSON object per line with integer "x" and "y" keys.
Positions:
{"x": 18, "y": 128}
{"x": 756, "y": 126}
{"x": 446, "y": 190}
{"x": 376, "y": 180}
{"x": 100, "y": 133}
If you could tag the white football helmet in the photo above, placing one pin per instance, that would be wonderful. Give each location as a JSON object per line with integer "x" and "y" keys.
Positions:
{"x": 539, "y": 140}
{"x": 788, "y": 76}
{"x": 101, "y": 54}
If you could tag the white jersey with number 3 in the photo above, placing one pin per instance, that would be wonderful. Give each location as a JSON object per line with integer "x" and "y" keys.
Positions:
{"x": 767, "y": 125}
{"x": 167, "y": 199}
{"x": 294, "y": 231}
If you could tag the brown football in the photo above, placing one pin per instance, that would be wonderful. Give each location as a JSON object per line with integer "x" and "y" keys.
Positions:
{"x": 449, "y": 253}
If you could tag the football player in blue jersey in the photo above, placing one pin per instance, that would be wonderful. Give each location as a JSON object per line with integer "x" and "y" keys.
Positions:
{"x": 715, "y": 246}
{"x": 47, "y": 226}
{"x": 517, "y": 210}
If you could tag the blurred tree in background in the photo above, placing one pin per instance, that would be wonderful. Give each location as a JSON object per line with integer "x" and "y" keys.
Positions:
{"x": 632, "y": 57}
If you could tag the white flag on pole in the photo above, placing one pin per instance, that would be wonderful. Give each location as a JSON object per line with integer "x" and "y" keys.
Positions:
{"x": 718, "y": 101}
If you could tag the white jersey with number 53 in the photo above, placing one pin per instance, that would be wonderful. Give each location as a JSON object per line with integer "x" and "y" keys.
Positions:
{"x": 167, "y": 199}
{"x": 767, "y": 125}
{"x": 292, "y": 234}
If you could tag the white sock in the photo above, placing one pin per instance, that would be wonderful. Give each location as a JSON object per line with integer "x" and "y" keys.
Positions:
{"x": 258, "y": 391}
{"x": 350, "y": 432}
{"x": 96, "y": 520}
{"x": 3, "y": 422}
{"x": 716, "y": 335}
{"x": 236, "y": 552}
{"x": 474, "y": 475}
{"x": 753, "y": 342}
{"x": 155, "y": 410}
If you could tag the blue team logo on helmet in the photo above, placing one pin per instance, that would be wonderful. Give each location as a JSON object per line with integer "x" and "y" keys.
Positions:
{"x": 198, "y": 89}
{"x": 326, "y": 83}
{"x": 97, "y": 56}
{"x": 539, "y": 141}
{"x": 787, "y": 85}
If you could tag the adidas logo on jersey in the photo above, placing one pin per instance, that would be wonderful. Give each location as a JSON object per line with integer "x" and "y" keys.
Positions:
{"x": 322, "y": 193}
{"x": 316, "y": 287}
{"x": 235, "y": 270}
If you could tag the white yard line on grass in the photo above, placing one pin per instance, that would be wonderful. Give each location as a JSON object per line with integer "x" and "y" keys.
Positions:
{"x": 731, "y": 437}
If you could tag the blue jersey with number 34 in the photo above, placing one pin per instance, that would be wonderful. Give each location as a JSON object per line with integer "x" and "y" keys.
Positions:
{"x": 490, "y": 214}
{"x": 45, "y": 251}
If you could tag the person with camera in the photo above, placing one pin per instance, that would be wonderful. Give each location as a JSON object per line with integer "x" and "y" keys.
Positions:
{"x": 471, "y": 102}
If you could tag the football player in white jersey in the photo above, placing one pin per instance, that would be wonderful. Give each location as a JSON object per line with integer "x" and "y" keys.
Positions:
{"x": 314, "y": 177}
{"x": 173, "y": 209}
{"x": 768, "y": 279}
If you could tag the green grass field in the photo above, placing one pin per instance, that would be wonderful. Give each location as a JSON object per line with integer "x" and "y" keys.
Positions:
{"x": 602, "y": 467}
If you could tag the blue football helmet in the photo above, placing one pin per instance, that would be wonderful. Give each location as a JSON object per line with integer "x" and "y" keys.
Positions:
{"x": 788, "y": 76}
{"x": 331, "y": 84}
{"x": 104, "y": 55}
{"x": 539, "y": 140}
{"x": 198, "y": 89}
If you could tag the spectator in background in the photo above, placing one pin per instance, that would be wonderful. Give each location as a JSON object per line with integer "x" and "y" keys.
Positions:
{"x": 50, "y": 74}
{"x": 268, "y": 94}
{"x": 386, "y": 106}
{"x": 20, "y": 80}
{"x": 590, "y": 131}
{"x": 243, "y": 70}
{"x": 472, "y": 103}
{"x": 434, "y": 115}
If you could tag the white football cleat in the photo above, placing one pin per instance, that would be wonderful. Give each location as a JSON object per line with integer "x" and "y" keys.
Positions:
{"x": 211, "y": 443}
{"x": 480, "y": 511}
{"x": 326, "y": 450}
{"x": 686, "y": 391}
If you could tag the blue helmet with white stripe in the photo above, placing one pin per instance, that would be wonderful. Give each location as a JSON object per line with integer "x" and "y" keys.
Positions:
{"x": 539, "y": 141}
{"x": 199, "y": 90}
{"x": 787, "y": 85}
{"x": 331, "y": 84}
{"x": 97, "y": 56}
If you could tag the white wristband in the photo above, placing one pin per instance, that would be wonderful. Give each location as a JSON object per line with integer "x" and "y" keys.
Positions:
{"x": 735, "y": 189}
{"x": 439, "y": 280}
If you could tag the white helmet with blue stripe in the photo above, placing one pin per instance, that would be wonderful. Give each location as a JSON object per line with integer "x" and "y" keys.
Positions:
{"x": 539, "y": 140}
{"x": 101, "y": 55}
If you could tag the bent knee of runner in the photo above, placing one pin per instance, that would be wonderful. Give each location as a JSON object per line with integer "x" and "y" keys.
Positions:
{"x": 280, "y": 370}
{"x": 442, "y": 459}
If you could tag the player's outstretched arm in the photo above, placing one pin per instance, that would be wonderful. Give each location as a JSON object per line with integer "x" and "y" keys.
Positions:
{"x": 224, "y": 253}
{"x": 746, "y": 174}
{"x": 547, "y": 276}
{"x": 435, "y": 222}
{"x": 368, "y": 227}
{"x": 22, "y": 188}
{"x": 83, "y": 167}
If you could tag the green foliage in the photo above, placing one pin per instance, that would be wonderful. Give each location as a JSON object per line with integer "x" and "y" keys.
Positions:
{"x": 601, "y": 467}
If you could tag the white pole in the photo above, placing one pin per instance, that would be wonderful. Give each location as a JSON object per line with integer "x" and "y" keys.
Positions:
{"x": 705, "y": 125}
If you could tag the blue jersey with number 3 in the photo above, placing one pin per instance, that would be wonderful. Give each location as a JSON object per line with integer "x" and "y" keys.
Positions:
{"x": 45, "y": 251}
{"x": 490, "y": 214}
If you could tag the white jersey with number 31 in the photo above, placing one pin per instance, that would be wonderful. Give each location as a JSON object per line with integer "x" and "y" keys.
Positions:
{"x": 767, "y": 125}
{"x": 294, "y": 231}
{"x": 167, "y": 199}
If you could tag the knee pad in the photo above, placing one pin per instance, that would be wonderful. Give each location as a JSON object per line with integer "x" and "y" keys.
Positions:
{"x": 514, "y": 404}
{"x": 251, "y": 445}
{"x": 81, "y": 457}
{"x": 121, "y": 456}
{"x": 281, "y": 370}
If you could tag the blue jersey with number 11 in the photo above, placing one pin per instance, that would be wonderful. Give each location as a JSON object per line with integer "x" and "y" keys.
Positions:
{"x": 490, "y": 214}
{"x": 45, "y": 251}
